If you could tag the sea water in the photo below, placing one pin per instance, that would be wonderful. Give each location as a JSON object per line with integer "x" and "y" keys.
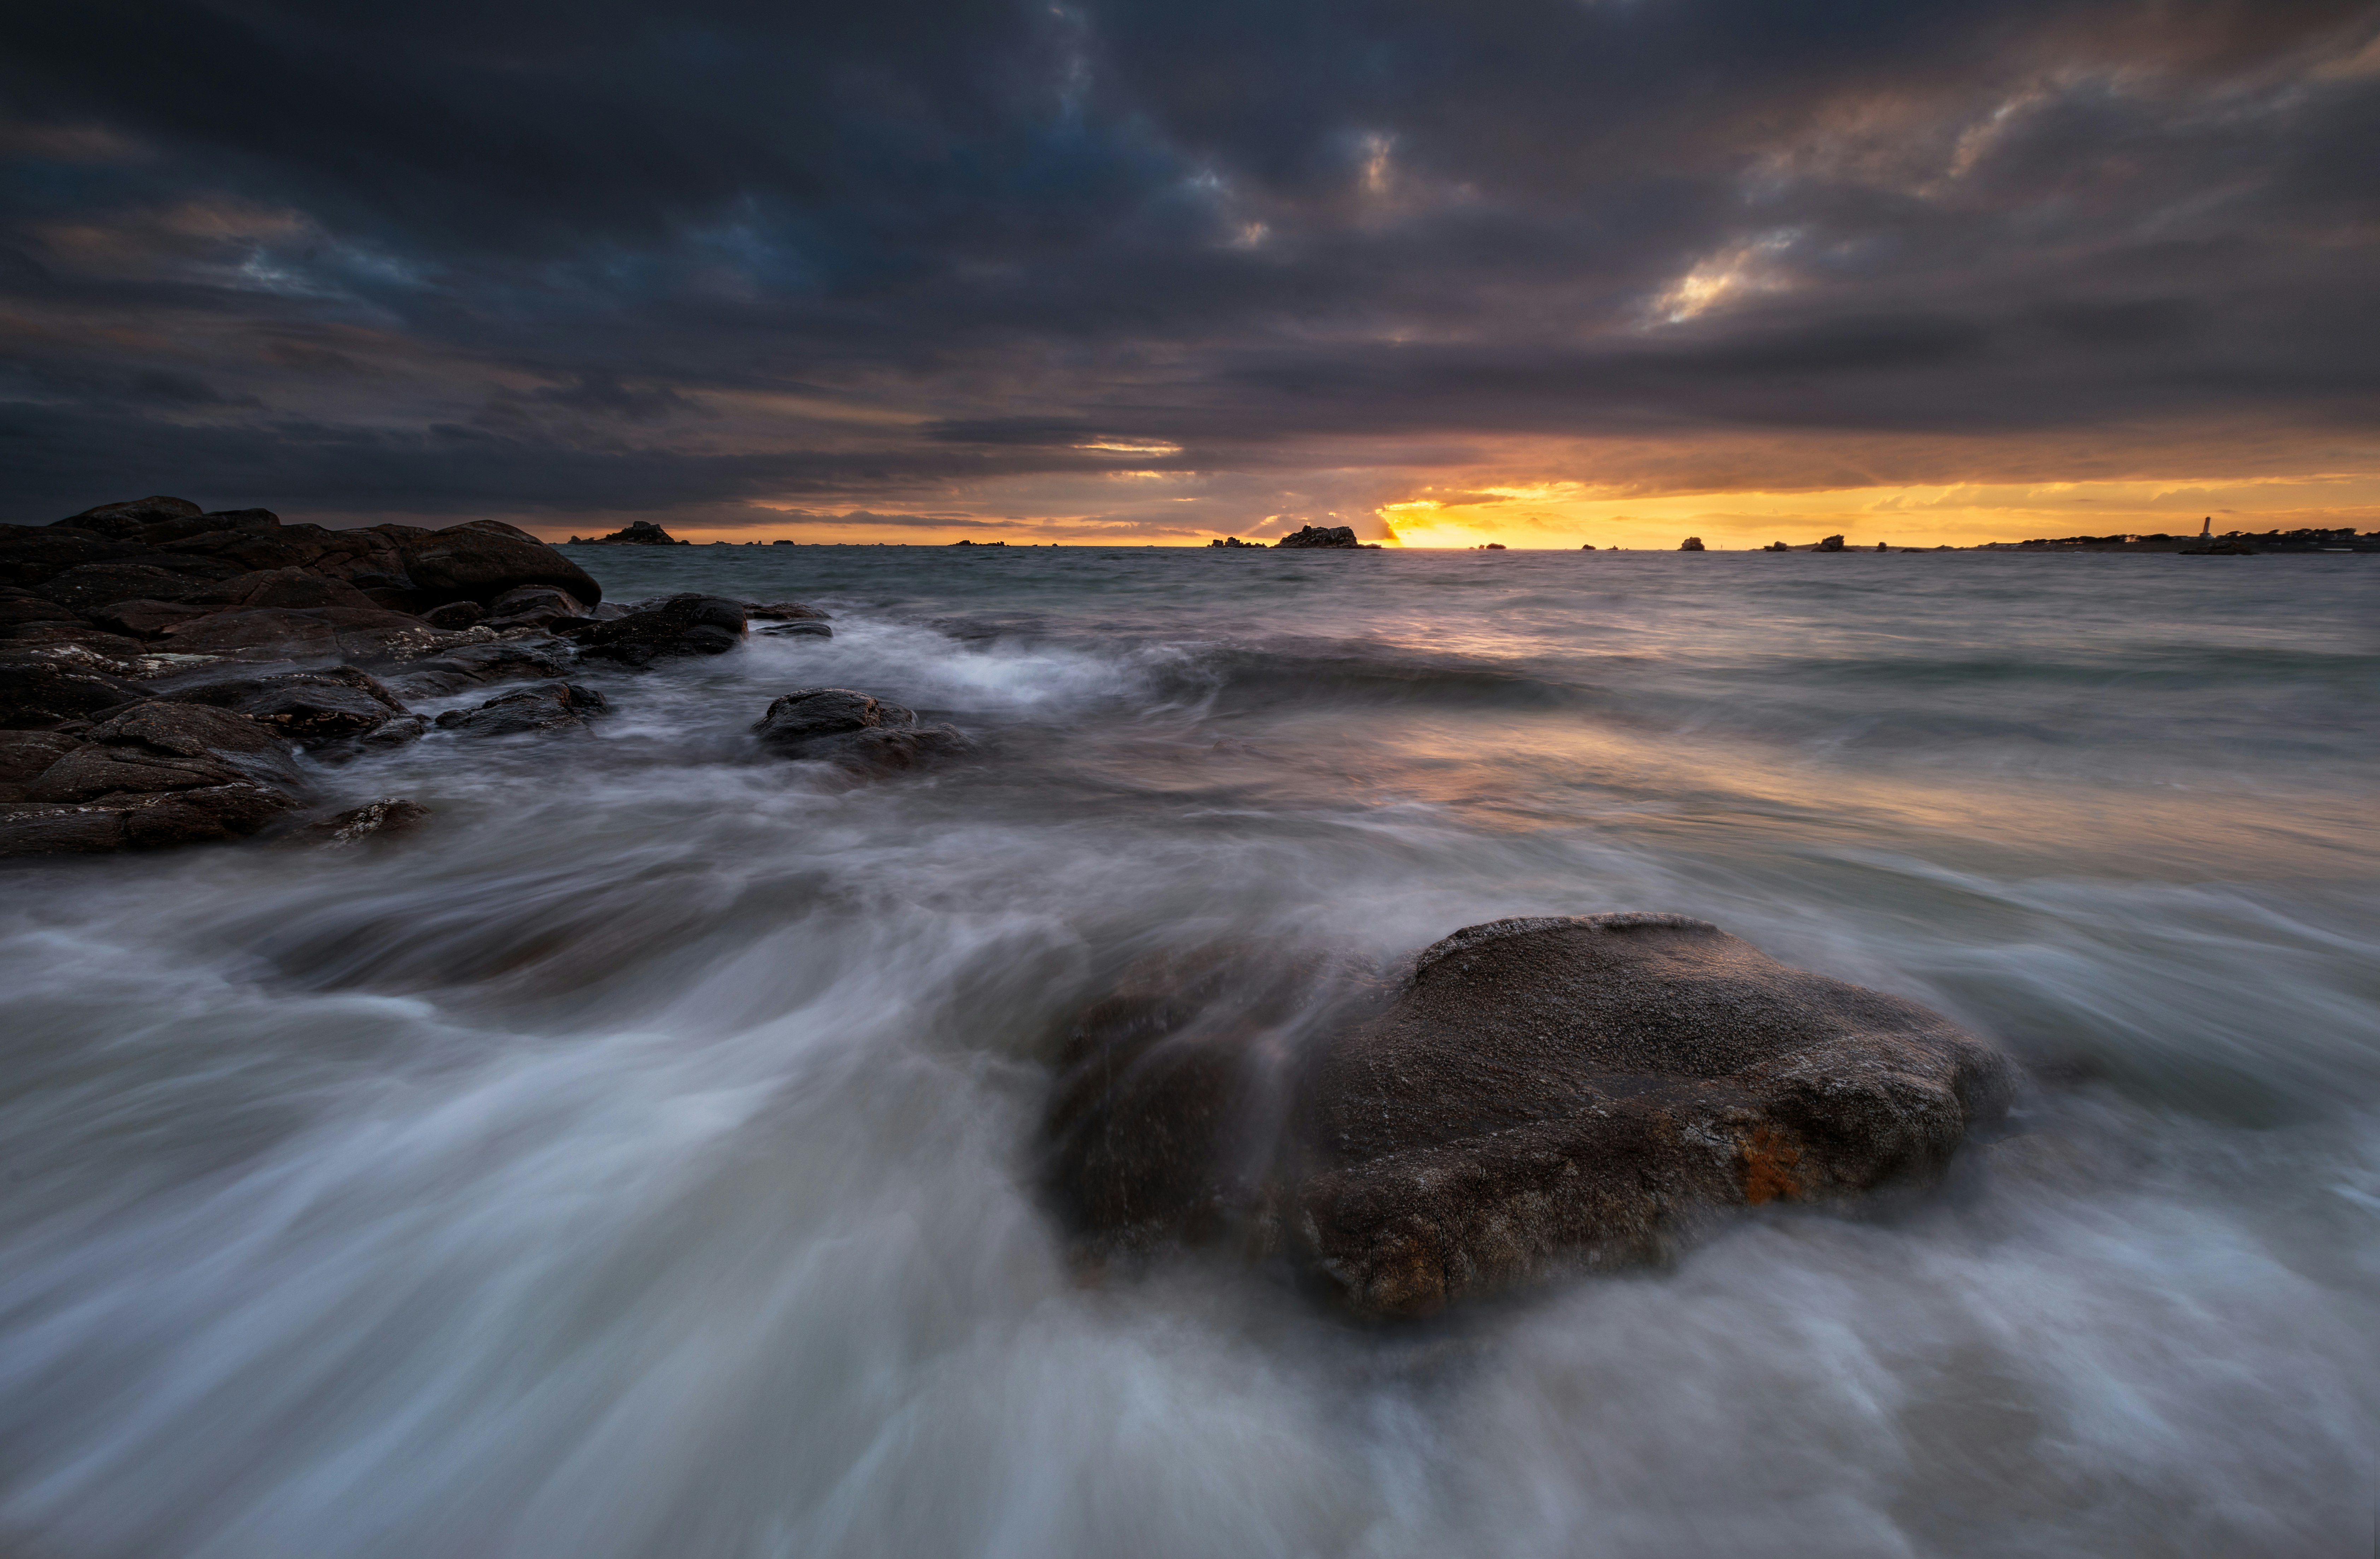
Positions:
{"x": 638, "y": 1159}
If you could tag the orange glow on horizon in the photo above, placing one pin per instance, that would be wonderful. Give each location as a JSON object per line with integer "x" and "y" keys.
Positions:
{"x": 1562, "y": 514}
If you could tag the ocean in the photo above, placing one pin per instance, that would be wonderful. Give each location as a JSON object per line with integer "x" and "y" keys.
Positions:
{"x": 640, "y": 1159}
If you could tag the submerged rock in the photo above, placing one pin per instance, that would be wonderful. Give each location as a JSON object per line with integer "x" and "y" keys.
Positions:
{"x": 839, "y": 726}
{"x": 312, "y": 707}
{"x": 557, "y": 706}
{"x": 390, "y": 814}
{"x": 682, "y": 624}
{"x": 1552, "y": 1094}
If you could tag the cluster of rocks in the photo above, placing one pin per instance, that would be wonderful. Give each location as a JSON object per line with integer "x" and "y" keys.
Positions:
{"x": 1529, "y": 1096}
{"x": 163, "y": 669}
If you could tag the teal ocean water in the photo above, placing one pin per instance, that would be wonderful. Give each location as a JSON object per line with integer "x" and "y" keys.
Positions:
{"x": 637, "y": 1162}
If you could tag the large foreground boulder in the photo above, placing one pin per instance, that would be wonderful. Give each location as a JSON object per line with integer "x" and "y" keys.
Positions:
{"x": 854, "y": 729}
{"x": 481, "y": 559}
{"x": 1543, "y": 1095}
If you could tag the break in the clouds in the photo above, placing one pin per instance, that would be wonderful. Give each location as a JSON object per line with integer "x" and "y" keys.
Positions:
{"x": 1156, "y": 272}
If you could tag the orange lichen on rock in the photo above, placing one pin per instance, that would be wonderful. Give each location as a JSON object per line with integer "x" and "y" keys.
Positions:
{"x": 1769, "y": 1160}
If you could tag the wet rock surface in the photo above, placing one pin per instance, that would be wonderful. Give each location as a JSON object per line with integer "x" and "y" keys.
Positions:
{"x": 854, "y": 729}
{"x": 373, "y": 819}
{"x": 681, "y": 624}
{"x": 557, "y": 706}
{"x": 1538, "y": 1096}
{"x": 147, "y": 775}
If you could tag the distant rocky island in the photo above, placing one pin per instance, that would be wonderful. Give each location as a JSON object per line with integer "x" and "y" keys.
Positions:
{"x": 639, "y": 533}
{"x": 1338, "y": 537}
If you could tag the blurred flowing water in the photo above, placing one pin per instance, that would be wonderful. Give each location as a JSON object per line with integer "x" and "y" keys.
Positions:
{"x": 638, "y": 1161}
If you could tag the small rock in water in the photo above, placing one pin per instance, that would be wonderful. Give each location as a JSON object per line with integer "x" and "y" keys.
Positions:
{"x": 781, "y": 612}
{"x": 803, "y": 630}
{"x": 682, "y": 624}
{"x": 557, "y": 706}
{"x": 390, "y": 814}
{"x": 839, "y": 726}
{"x": 1538, "y": 1096}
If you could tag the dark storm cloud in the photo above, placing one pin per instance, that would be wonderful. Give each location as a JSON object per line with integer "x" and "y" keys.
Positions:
{"x": 527, "y": 256}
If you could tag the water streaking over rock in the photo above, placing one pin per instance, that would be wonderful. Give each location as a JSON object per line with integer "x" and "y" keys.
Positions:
{"x": 637, "y": 1155}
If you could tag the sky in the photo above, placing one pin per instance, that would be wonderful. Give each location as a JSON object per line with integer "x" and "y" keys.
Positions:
{"x": 1540, "y": 271}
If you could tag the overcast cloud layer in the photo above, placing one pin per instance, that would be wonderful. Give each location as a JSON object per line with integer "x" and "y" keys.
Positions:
{"x": 1157, "y": 270}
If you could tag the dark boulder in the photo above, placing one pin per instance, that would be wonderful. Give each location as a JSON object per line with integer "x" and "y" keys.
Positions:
{"x": 784, "y": 612}
{"x": 34, "y": 555}
{"x": 456, "y": 615}
{"x": 535, "y": 606}
{"x": 125, "y": 522}
{"x": 1832, "y": 544}
{"x": 152, "y": 774}
{"x": 799, "y": 629}
{"x": 141, "y": 618}
{"x": 1537, "y": 1096}
{"x": 294, "y": 633}
{"x": 1173, "y": 1091}
{"x": 839, "y": 725}
{"x": 1567, "y": 1092}
{"x": 481, "y": 559}
{"x": 557, "y": 706}
{"x": 681, "y": 624}
{"x": 312, "y": 707}
{"x": 39, "y": 694}
{"x": 25, "y": 755}
{"x": 92, "y": 585}
{"x": 1692, "y": 543}
{"x": 459, "y": 666}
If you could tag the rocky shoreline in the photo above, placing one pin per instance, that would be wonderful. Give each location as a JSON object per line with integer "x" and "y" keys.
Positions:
{"x": 171, "y": 677}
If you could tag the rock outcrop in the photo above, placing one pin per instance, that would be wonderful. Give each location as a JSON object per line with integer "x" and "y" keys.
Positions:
{"x": 1340, "y": 536}
{"x": 557, "y": 706}
{"x": 1537, "y": 1096}
{"x": 1692, "y": 543}
{"x": 839, "y": 726}
{"x": 682, "y": 624}
{"x": 637, "y": 534}
{"x": 148, "y": 773}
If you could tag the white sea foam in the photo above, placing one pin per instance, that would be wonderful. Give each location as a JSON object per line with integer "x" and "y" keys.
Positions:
{"x": 639, "y": 1161}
